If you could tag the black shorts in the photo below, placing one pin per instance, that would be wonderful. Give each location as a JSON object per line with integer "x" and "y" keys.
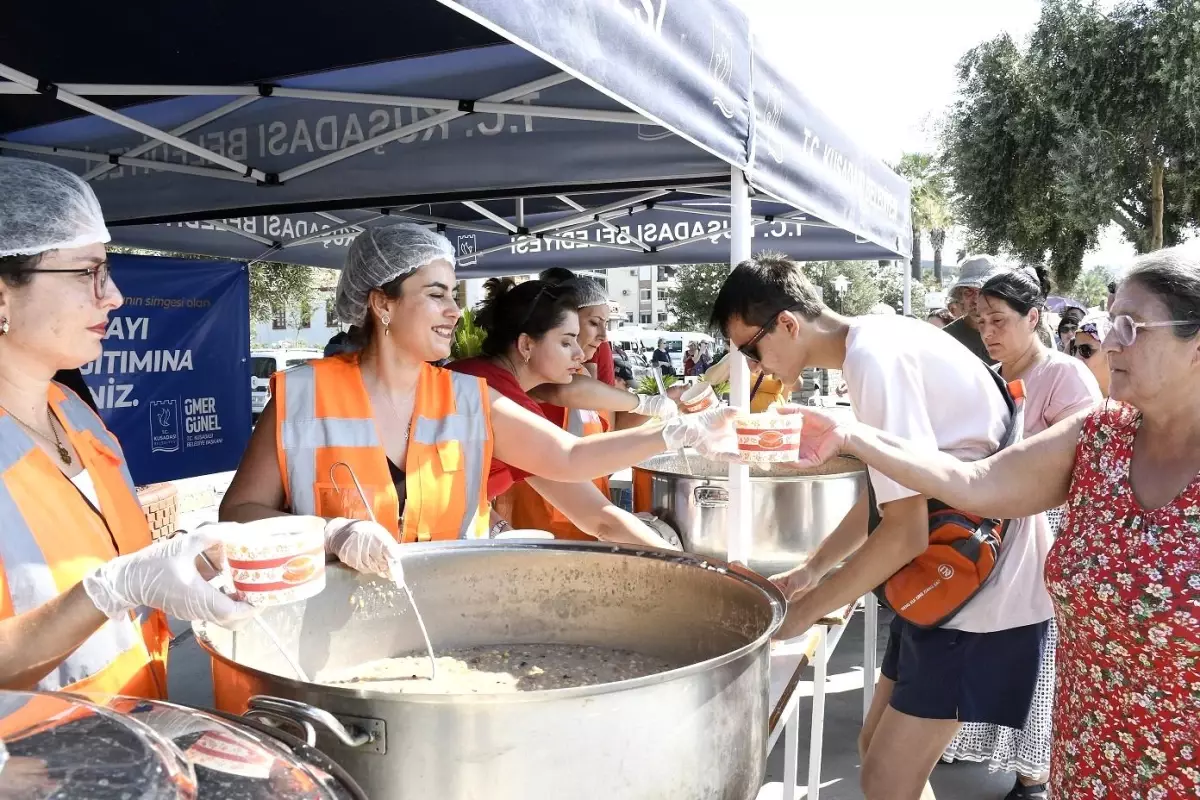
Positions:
{"x": 972, "y": 677}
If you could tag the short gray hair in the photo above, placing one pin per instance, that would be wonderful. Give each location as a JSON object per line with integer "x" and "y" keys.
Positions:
{"x": 1172, "y": 275}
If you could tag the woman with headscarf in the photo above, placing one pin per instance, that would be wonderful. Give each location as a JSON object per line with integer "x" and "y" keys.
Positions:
{"x": 1010, "y": 307}
{"x": 533, "y": 333}
{"x": 83, "y": 590}
{"x": 1123, "y": 573}
{"x": 1088, "y": 347}
{"x": 419, "y": 438}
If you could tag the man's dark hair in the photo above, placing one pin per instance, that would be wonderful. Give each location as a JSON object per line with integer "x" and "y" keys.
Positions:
{"x": 759, "y": 289}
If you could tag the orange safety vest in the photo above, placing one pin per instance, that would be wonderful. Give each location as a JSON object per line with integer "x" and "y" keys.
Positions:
{"x": 530, "y": 511}
{"x": 324, "y": 417}
{"x": 53, "y": 537}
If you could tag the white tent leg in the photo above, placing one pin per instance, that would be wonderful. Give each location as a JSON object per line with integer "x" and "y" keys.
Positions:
{"x": 907, "y": 288}
{"x": 870, "y": 655}
{"x": 738, "y": 521}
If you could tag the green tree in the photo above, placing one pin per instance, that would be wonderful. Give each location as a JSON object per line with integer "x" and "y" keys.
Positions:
{"x": 1097, "y": 121}
{"x": 930, "y": 206}
{"x": 692, "y": 300}
{"x": 862, "y": 287}
{"x": 274, "y": 285}
{"x": 1091, "y": 288}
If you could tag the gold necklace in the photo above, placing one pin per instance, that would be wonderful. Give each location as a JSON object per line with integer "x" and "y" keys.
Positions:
{"x": 63, "y": 453}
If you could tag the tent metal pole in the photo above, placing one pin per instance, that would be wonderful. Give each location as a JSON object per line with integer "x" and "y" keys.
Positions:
{"x": 125, "y": 161}
{"x": 437, "y": 119}
{"x": 907, "y": 287}
{"x": 465, "y": 225}
{"x": 496, "y": 218}
{"x": 135, "y": 125}
{"x": 590, "y": 215}
{"x": 739, "y": 521}
{"x": 185, "y": 128}
{"x": 520, "y": 212}
{"x": 607, "y": 225}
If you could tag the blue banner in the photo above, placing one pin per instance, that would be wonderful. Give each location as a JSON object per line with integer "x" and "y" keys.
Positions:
{"x": 173, "y": 383}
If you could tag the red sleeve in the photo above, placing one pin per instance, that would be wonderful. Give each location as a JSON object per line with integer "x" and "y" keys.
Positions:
{"x": 603, "y": 359}
{"x": 502, "y": 475}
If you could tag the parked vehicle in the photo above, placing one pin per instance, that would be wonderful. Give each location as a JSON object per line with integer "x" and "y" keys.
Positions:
{"x": 264, "y": 364}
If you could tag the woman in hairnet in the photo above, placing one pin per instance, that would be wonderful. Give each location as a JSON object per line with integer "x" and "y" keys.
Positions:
{"x": 82, "y": 589}
{"x": 416, "y": 438}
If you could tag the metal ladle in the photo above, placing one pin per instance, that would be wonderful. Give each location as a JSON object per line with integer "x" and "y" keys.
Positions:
{"x": 270, "y": 634}
{"x": 407, "y": 591}
{"x": 663, "y": 390}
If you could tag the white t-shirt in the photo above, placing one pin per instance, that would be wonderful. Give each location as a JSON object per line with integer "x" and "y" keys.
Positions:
{"x": 907, "y": 378}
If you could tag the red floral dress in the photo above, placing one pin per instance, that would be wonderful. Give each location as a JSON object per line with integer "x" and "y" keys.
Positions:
{"x": 1126, "y": 588}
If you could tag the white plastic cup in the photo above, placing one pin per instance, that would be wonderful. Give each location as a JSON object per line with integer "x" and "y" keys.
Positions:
{"x": 698, "y": 397}
{"x": 279, "y": 560}
{"x": 769, "y": 438}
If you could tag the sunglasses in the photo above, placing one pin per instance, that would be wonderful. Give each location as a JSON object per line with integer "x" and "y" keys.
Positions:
{"x": 99, "y": 274}
{"x": 750, "y": 348}
{"x": 1125, "y": 330}
{"x": 1084, "y": 351}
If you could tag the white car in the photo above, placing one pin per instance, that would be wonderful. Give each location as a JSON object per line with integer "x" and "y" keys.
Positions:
{"x": 264, "y": 364}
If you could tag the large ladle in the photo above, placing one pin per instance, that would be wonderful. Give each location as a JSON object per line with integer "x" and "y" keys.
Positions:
{"x": 407, "y": 591}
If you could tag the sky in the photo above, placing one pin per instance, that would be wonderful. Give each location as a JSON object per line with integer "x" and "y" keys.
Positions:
{"x": 884, "y": 70}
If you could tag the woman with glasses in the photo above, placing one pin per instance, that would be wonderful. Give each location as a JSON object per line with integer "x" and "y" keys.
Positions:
{"x": 83, "y": 590}
{"x": 1123, "y": 572}
{"x": 1010, "y": 309}
{"x": 533, "y": 332}
{"x": 1088, "y": 348}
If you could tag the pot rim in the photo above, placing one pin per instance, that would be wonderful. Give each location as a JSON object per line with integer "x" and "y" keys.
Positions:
{"x": 743, "y": 574}
{"x": 753, "y": 478}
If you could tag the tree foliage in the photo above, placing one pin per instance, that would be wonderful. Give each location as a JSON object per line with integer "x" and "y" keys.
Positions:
{"x": 280, "y": 286}
{"x": 1096, "y": 121}
{"x": 692, "y": 299}
{"x": 930, "y": 200}
{"x": 1091, "y": 287}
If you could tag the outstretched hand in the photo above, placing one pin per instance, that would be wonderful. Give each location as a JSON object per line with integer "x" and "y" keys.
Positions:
{"x": 822, "y": 437}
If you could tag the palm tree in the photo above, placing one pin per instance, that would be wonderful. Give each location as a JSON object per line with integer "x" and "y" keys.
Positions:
{"x": 930, "y": 206}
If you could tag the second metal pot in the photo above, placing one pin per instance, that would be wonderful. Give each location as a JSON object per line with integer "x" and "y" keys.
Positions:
{"x": 793, "y": 510}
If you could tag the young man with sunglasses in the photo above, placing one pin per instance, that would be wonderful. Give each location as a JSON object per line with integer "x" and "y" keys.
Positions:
{"x": 903, "y": 378}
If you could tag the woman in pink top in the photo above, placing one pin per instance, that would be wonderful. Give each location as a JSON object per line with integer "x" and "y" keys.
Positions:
{"x": 1056, "y": 386}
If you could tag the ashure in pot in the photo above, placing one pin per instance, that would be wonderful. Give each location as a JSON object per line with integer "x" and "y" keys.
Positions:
{"x": 697, "y": 731}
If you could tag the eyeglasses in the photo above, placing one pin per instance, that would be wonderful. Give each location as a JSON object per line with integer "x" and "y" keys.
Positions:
{"x": 99, "y": 274}
{"x": 750, "y": 348}
{"x": 1084, "y": 351}
{"x": 1125, "y": 330}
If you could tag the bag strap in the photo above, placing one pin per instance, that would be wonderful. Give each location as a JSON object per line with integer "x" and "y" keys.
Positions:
{"x": 1014, "y": 400}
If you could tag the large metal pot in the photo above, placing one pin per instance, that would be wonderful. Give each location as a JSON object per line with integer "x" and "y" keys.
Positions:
{"x": 694, "y": 732}
{"x": 793, "y": 510}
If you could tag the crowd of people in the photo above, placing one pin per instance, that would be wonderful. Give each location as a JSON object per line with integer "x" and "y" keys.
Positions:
{"x": 1074, "y": 665}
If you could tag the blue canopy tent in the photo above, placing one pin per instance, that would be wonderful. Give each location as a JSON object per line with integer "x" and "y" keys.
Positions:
{"x": 582, "y": 133}
{"x": 525, "y": 129}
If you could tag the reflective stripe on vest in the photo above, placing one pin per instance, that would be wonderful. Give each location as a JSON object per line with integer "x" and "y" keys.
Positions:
{"x": 468, "y": 426}
{"x": 30, "y": 579}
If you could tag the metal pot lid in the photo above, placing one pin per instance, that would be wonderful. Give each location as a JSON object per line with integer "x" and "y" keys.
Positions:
{"x": 233, "y": 761}
{"x": 61, "y": 746}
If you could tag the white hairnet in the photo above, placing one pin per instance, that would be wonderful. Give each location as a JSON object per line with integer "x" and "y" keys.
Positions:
{"x": 588, "y": 291}
{"x": 380, "y": 255}
{"x": 44, "y": 207}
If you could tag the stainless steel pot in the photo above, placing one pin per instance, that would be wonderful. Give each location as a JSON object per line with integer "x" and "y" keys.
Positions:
{"x": 793, "y": 510}
{"x": 694, "y": 732}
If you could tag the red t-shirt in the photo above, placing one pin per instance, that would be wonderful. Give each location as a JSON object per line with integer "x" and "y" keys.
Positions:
{"x": 502, "y": 475}
{"x": 603, "y": 359}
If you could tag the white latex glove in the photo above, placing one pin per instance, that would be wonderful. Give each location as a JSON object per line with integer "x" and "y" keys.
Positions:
{"x": 365, "y": 546}
{"x": 710, "y": 432}
{"x": 165, "y": 576}
{"x": 656, "y": 405}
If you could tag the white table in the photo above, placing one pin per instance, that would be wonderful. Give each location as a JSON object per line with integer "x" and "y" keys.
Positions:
{"x": 788, "y": 662}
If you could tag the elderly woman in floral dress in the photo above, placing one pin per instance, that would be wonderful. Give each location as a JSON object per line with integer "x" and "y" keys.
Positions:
{"x": 1124, "y": 573}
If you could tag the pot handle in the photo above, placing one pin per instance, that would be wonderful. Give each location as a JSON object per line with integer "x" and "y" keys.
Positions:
{"x": 278, "y": 709}
{"x": 711, "y": 496}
